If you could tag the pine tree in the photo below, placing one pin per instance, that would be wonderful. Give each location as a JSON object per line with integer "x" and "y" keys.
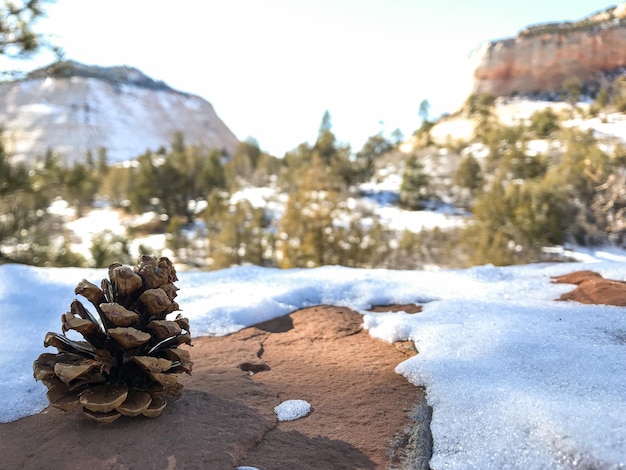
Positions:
{"x": 17, "y": 37}
{"x": 22, "y": 205}
{"x": 239, "y": 236}
{"x": 414, "y": 187}
{"x": 172, "y": 182}
{"x": 374, "y": 147}
{"x": 469, "y": 174}
{"x": 305, "y": 232}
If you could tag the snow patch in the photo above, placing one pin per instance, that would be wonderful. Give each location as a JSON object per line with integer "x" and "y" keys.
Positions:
{"x": 292, "y": 409}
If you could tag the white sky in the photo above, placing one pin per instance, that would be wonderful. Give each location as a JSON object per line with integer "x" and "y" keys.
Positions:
{"x": 272, "y": 67}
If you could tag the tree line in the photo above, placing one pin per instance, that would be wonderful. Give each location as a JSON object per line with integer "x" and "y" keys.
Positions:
{"x": 185, "y": 184}
{"x": 520, "y": 201}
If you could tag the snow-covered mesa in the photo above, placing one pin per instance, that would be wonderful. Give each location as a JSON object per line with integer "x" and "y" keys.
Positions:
{"x": 515, "y": 379}
{"x": 79, "y": 114}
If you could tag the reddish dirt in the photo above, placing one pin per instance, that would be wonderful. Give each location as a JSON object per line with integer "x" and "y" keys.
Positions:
{"x": 592, "y": 288}
{"x": 225, "y": 416}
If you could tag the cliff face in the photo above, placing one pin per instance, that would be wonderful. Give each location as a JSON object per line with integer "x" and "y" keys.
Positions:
{"x": 541, "y": 57}
{"x": 76, "y": 108}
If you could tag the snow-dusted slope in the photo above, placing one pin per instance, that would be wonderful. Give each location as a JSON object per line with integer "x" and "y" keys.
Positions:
{"x": 75, "y": 114}
{"x": 512, "y": 111}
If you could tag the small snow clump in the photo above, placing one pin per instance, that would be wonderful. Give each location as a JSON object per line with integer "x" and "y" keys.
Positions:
{"x": 292, "y": 409}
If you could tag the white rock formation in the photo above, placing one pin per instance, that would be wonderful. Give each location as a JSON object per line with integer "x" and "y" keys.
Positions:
{"x": 118, "y": 108}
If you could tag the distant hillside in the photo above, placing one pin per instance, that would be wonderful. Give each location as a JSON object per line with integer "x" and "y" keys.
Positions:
{"x": 73, "y": 108}
{"x": 113, "y": 75}
{"x": 541, "y": 57}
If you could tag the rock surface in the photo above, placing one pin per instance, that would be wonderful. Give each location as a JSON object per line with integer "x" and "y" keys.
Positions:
{"x": 77, "y": 108}
{"x": 542, "y": 57}
{"x": 592, "y": 288}
{"x": 363, "y": 416}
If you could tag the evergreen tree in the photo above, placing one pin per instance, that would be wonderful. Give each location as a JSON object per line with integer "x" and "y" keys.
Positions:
{"x": 81, "y": 183}
{"x": 50, "y": 174}
{"x": 63, "y": 256}
{"x": 173, "y": 182}
{"x": 582, "y": 170}
{"x": 544, "y": 122}
{"x": 491, "y": 236}
{"x": 414, "y": 187}
{"x": 618, "y": 93}
{"x": 481, "y": 108}
{"x": 102, "y": 163}
{"x": 267, "y": 171}
{"x": 117, "y": 185}
{"x": 340, "y": 172}
{"x": 469, "y": 174}
{"x": 142, "y": 193}
{"x": 602, "y": 98}
{"x": 17, "y": 37}
{"x": 326, "y": 144}
{"x": 583, "y": 165}
{"x": 107, "y": 248}
{"x": 244, "y": 163}
{"x": 23, "y": 209}
{"x": 295, "y": 164}
{"x": 397, "y": 137}
{"x": 319, "y": 228}
{"x": 572, "y": 89}
{"x": 241, "y": 238}
{"x": 304, "y": 230}
{"x": 513, "y": 222}
{"x": 374, "y": 147}
{"x": 326, "y": 124}
{"x": 424, "y": 111}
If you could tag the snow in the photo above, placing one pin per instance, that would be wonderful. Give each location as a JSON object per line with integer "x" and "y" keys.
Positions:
{"x": 515, "y": 379}
{"x": 381, "y": 198}
{"x": 258, "y": 197}
{"x": 610, "y": 126}
{"x": 97, "y": 220}
{"x": 87, "y": 113}
{"x": 92, "y": 224}
{"x": 378, "y": 199}
{"x": 290, "y": 410}
{"x": 607, "y": 126}
{"x": 399, "y": 219}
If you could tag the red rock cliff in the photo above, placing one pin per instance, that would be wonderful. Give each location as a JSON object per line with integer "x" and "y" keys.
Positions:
{"x": 541, "y": 57}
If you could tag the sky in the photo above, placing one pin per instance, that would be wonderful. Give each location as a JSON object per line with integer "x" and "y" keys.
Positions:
{"x": 271, "y": 68}
{"x": 515, "y": 378}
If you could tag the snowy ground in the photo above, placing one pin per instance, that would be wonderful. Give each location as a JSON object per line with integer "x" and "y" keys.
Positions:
{"x": 379, "y": 199}
{"x": 459, "y": 128}
{"x": 515, "y": 379}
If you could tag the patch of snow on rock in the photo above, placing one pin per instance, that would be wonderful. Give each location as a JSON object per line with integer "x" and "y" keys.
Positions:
{"x": 292, "y": 409}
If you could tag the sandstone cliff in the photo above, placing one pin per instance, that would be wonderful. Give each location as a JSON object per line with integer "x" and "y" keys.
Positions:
{"x": 541, "y": 57}
{"x": 72, "y": 108}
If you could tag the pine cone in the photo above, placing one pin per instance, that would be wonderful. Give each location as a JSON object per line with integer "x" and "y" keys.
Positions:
{"x": 131, "y": 352}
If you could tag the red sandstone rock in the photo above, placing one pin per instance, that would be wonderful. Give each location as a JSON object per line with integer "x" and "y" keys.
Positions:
{"x": 225, "y": 417}
{"x": 593, "y": 289}
{"x": 577, "y": 277}
{"x": 407, "y": 308}
{"x": 542, "y": 61}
